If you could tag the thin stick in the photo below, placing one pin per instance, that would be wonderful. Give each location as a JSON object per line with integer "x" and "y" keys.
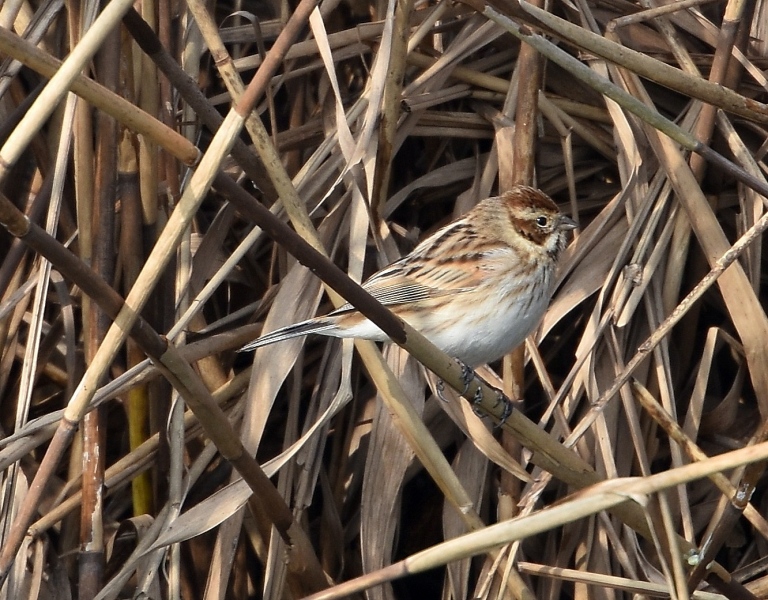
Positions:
{"x": 60, "y": 83}
{"x": 177, "y": 370}
{"x": 600, "y": 84}
{"x": 749, "y": 237}
{"x": 118, "y": 107}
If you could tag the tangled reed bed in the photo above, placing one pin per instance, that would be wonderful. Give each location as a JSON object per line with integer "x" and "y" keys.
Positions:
{"x": 195, "y": 131}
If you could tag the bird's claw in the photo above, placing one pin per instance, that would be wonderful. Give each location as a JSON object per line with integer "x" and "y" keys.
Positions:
{"x": 467, "y": 375}
{"x": 476, "y": 400}
{"x": 505, "y": 414}
{"x": 440, "y": 389}
{"x": 500, "y": 398}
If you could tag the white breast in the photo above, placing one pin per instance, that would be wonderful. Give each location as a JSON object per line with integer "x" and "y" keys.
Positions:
{"x": 492, "y": 326}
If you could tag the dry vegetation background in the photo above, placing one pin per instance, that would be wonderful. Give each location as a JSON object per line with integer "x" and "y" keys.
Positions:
{"x": 373, "y": 124}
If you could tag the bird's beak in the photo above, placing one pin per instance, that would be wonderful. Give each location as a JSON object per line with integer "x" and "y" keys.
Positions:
{"x": 565, "y": 223}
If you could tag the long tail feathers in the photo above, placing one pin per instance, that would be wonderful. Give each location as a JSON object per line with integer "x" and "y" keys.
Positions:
{"x": 290, "y": 331}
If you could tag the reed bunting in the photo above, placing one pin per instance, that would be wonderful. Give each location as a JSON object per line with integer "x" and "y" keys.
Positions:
{"x": 475, "y": 288}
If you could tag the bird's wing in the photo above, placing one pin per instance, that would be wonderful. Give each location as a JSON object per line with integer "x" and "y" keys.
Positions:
{"x": 404, "y": 282}
{"x": 394, "y": 294}
{"x": 405, "y": 292}
{"x": 460, "y": 268}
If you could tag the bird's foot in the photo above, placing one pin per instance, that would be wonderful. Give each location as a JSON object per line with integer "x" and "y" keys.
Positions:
{"x": 508, "y": 408}
{"x": 467, "y": 375}
{"x": 500, "y": 399}
{"x": 440, "y": 389}
{"x": 476, "y": 401}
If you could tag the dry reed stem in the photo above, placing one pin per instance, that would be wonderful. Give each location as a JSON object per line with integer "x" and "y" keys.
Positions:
{"x": 600, "y": 497}
{"x": 348, "y": 479}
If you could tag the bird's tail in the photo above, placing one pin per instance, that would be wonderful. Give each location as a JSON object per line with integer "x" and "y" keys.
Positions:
{"x": 321, "y": 325}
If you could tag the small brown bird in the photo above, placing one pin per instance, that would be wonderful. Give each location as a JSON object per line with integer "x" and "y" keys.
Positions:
{"x": 475, "y": 288}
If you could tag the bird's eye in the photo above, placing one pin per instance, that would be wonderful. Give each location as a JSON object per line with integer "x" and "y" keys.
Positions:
{"x": 542, "y": 221}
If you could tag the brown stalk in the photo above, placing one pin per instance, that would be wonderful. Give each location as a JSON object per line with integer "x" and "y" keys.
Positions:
{"x": 725, "y": 71}
{"x": 391, "y": 108}
{"x": 91, "y": 558}
{"x": 159, "y": 392}
{"x": 131, "y": 258}
{"x": 84, "y": 180}
{"x": 149, "y": 101}
{"x": 169, "y": 167}
{"x": 530, "y": 75}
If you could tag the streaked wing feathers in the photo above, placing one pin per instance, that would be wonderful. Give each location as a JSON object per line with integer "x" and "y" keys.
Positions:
{"x": 404, "y": 292}
{"x": 291, "y": 331}
{"x": 392, "y": 287}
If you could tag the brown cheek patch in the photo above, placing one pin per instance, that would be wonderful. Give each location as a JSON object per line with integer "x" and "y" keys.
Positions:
{"x": 530, "y": 232}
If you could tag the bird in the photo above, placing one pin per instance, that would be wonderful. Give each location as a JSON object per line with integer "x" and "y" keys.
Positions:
{"x": 476, "y": 288}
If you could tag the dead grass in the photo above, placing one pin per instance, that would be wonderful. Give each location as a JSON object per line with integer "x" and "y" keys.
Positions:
{"x": 639, "y": 441}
